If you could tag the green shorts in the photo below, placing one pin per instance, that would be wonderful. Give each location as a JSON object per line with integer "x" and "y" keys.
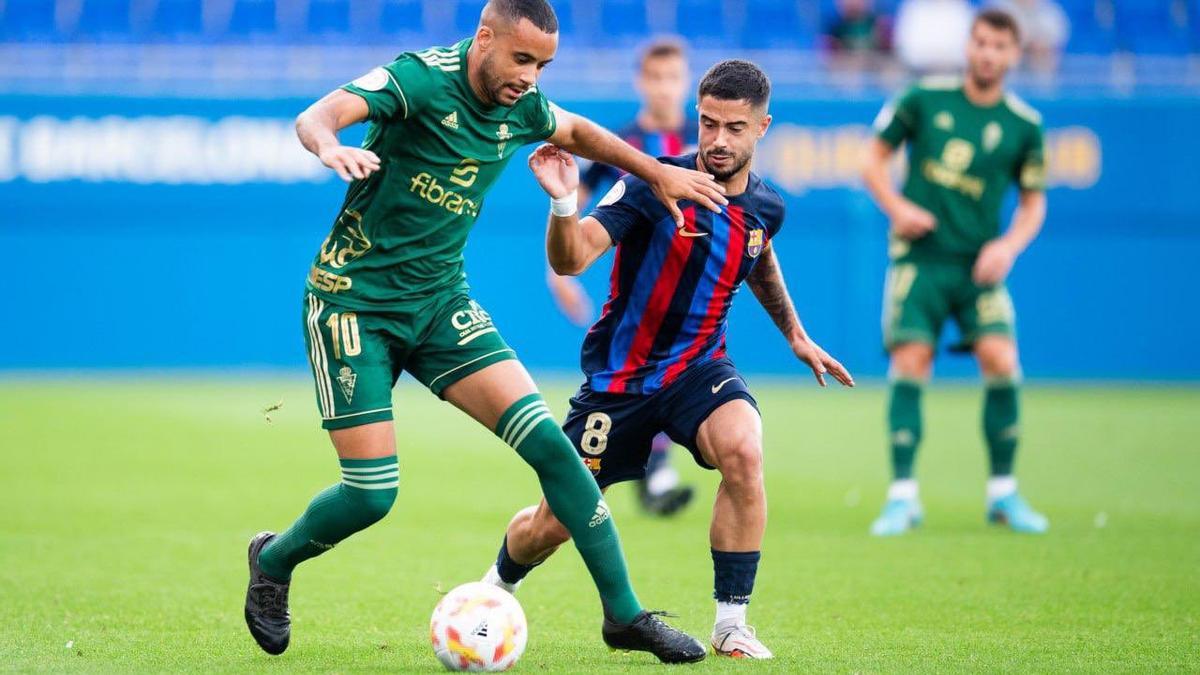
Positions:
{"x": 357, "y": 356}
{"x": 919, "y": 296}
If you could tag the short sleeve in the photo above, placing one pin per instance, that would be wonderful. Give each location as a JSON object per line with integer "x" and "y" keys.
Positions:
{"x": 623, "y": 208}
{"x": 538, "y": 113}
{"x": 897, "y": 121}
{"x": 773, "y": 212}
{"x": 1031, "y": 170}
{"x": 394, "y": 91}
{"x": 598, "y": 175}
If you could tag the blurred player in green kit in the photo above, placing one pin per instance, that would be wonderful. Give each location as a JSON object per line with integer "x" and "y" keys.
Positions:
{"x": 387, "y": 293}
{"x": 968, "y": 141}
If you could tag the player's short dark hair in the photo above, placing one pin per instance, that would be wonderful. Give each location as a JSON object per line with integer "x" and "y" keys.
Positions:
{"x": 538, "y": 12}
{"x": 660, "y": 49}
{"x": 1000, "y": 20}
{"x": 737, "y": 80}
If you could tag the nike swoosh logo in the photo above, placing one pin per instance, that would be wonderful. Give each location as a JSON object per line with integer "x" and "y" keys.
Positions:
{"x": 717, "y": 387}
{"x": 685, "y": 233}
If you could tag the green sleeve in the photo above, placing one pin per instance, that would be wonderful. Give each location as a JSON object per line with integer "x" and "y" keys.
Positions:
{"x": 539, "y": 116}
{"x": 1031, "y": 170}
{"x": 898, "y": 120}
{"x": 394, "y": 91}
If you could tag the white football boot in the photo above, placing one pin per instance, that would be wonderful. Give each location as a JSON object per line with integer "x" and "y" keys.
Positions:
{"x": 738, "y": 641}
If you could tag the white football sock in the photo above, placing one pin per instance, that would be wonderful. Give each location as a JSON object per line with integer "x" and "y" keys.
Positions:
{"x": 493, "y": 577}
{"x": 999, "y": 487}
{"x": 730, "y": 612}
{"x": 905, "y": 488}
{"x": 662, "y": 481}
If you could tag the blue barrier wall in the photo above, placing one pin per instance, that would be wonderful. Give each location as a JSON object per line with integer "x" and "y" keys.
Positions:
{"x": 168, "y": 233}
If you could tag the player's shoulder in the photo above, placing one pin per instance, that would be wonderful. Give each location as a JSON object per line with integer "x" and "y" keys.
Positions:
{"x": 1019, "y": 107}
{"x": 933, "y": 84}
{"x": 767, "y": 200}
{"x": 439, "y": 59}
{"x": 635, "y": 192}
{"x": 532, "y": 99}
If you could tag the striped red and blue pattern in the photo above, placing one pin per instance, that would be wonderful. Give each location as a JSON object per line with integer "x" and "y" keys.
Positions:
{"x": 671, "y": 288}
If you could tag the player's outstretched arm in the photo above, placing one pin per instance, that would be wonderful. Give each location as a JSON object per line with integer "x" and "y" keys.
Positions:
{"x": 317, "y": 128}
{"x": 766, "y": 282}
{"x": 996, "y": 258}
{"x": 670, "y": 184}
{"x": 572, "y": 245}
{"x": 908, "y": 220}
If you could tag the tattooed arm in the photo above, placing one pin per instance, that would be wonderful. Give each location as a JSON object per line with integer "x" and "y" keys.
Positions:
{"x": 766, "y": 282}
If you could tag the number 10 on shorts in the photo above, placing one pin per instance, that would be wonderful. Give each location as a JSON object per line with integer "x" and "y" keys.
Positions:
{"x": 343, "y": 330}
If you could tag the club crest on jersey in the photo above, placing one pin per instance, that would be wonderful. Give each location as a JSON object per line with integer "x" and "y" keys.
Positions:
{"x": 754, "y": 242}
{"x": 944, "y": 121}
{"x": 505, "y": 136}
{"x": 992, "y": 134}
{"x": 346, "y": 380}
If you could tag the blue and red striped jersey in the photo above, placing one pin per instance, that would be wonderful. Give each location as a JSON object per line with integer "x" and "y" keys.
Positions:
{"x": 671, "y": 289}
{"x": 597, "y": 176}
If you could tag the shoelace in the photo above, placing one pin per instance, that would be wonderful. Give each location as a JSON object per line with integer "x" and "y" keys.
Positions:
{"x": 741, "y": 630}
{"x": 272, "y": 600}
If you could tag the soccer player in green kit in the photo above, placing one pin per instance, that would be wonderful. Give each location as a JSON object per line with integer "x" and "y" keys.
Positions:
{"x": 387, "y": 292}
{"x": 968, "y": 141}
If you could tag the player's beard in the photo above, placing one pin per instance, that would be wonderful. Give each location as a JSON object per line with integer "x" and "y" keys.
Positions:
{"x": 737, "y": 164}
{"x": 982, "y": 81}
{"x": 494, "y": 84}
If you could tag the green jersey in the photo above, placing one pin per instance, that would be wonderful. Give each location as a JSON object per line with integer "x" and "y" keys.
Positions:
{"x": 400, "y": 234}
{"x": 962, "y": 158}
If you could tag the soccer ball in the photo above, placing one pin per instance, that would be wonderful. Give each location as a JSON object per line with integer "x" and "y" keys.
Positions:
{"x": 478, "y": 627}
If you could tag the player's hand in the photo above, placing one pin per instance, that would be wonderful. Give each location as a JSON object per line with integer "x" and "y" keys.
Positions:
{"x": 555, "y": 169}
{"x": 821, "y": 363}
{"x": 350, "y": 163}
{"x": 674, "y": 183}
{"x": 571, "y": 299}
{"x": 994, "y": 263}
{"x": 910, "y": 221}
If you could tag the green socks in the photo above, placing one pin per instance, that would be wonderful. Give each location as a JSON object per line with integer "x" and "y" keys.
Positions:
{"x": 365, "y": 495}
{"x": 904, "y": 424}
{"x": 530, "y": 429}
{"x": 1000, "y": 427}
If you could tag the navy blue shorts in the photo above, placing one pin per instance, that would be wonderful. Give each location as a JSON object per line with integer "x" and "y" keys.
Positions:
{"x": 613, "y": 433}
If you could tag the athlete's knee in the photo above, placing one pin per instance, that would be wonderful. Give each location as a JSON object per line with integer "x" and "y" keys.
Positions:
{"x": 912, "y": 361}
{"x": 997, "y": 357}
{"x": 741, "y": 461}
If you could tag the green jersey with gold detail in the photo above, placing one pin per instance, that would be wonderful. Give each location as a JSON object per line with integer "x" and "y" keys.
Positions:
{"x": 962, "y": 158}
{"x": 401, "y": 232}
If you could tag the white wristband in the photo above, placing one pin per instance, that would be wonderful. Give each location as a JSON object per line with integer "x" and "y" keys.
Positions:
{"x": 565, "y": 207}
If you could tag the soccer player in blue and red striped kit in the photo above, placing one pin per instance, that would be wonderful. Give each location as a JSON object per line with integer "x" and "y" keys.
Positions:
{"x": 663, "y": 126}
{"x": 655, "y": 360}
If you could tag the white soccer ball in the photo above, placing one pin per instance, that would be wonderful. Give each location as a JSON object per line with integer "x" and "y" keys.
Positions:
{"x": 478, "y": 627}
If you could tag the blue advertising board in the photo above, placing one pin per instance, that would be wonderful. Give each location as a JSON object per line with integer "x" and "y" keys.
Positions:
{"x": 169, "y": 233}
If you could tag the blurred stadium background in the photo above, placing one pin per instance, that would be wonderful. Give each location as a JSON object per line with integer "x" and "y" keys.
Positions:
{"x": 158, "y": 216}
{"x": 146, "y": 150}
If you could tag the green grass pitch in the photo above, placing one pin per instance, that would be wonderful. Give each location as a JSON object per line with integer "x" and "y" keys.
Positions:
{"x": 126, "y": 505}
